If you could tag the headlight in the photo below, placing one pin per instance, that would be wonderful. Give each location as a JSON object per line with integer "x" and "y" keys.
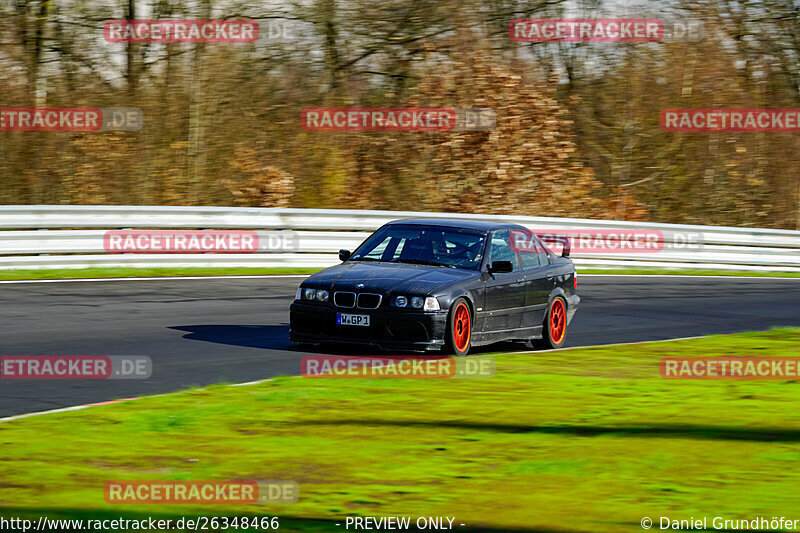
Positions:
{"x": 322, "y": 296}
{"x": 309, "y": 294}
{"x": 417, "y": 302}
{"x": 431, "y": 304}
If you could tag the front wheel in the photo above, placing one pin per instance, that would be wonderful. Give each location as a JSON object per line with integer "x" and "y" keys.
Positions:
{"x": 459, "y": 331}
{"x": 554, "y": 329}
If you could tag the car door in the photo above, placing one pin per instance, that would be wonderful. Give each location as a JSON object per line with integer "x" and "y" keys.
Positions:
{"x": 504, "y": 292}
{"x": 535, "y": 263}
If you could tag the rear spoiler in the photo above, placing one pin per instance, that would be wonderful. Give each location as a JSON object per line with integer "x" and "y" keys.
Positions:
{"x": 548, "y": 239}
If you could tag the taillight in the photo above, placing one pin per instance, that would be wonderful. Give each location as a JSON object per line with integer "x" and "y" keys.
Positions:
{"x": 575, "y": 281}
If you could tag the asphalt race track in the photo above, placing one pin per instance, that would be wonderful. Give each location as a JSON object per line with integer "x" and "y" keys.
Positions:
{"x": 199, "y": 332}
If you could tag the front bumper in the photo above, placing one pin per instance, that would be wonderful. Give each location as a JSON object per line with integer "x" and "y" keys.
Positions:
{"x": 389, "y": 329}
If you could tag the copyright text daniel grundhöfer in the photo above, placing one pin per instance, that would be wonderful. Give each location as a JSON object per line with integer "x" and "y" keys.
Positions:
{"x": 761, "y": 523}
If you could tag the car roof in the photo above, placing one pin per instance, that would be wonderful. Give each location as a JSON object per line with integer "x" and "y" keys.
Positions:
{"x": 482, "y": 225}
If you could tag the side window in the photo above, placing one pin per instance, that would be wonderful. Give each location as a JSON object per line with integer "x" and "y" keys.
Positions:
{"x": 529, "y": 257}
{"x": 542, "y": 252}
{"x": 529, "y": 248}
{"x": 500, "y": 249}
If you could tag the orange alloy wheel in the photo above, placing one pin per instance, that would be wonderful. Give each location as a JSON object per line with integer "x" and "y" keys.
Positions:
{"x": 558, "y": 321}
{"x": 462, "y": 327}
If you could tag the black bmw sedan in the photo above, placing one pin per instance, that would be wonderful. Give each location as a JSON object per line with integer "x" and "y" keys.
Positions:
{"x": 433, "y": 284}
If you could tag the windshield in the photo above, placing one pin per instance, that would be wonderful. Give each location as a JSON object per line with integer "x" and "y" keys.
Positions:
{"x": 424, "y": 245}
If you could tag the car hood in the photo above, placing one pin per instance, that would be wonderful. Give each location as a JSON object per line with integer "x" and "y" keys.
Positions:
{"x": 388, "y": 277}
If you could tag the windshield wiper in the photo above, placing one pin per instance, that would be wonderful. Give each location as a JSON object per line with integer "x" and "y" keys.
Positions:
{"x": 423, "y": 262}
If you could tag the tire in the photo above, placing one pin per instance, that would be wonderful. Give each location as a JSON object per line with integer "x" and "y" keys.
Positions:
{"x": 459, "y": 328}
{"x": 554, "y": 328}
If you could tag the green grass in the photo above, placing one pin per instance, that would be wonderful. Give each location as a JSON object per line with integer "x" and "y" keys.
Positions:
{"x": 590, "y": 439}
{"x": 89, "y": 273}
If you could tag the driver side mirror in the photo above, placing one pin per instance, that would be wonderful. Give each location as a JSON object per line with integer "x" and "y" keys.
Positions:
{"x": 344, "y": 255}
{"x": 501, "y": 267}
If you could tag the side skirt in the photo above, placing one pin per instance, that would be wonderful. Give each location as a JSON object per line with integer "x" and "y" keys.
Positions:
{"x": 489, "y": 337}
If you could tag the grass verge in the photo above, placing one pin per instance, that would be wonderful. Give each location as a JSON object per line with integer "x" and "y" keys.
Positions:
{"x": 92, "y": 273}
{"x": 590, "y": 439}
{"x": 687, "y": 272}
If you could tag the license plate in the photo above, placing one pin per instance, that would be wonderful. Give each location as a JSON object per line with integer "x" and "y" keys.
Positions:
{"x": 346, "y": 319}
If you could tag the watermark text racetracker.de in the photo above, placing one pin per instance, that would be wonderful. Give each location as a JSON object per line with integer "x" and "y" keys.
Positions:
{"x": 71, "y": 119}
{"x": 180, "y": 31}
{"x": 75, "y": 367}
{"x": 219, "y": 31}
{"x": 730, "y": 120}
{"x": 201, "y": 492}
{"x": 730, "y": 368}
{"x": 604, "y": 30}
{"x": 398, "y": 367}
{"x": 198, "y": 241}
{"x": 397, "y": 119}
{"x": 605, "y": 241}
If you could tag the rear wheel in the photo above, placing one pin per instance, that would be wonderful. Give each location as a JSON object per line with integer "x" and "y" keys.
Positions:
{"x": 554, "y": 329}
{"x": 459, "y": 330}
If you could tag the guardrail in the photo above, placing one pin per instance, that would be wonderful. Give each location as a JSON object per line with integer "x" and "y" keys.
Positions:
{"x": 44, "y": 236}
